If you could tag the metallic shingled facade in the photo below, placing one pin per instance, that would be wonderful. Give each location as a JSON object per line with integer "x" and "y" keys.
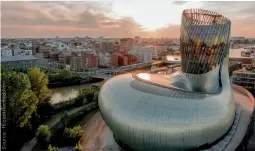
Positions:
{"x": 204, "y": 40}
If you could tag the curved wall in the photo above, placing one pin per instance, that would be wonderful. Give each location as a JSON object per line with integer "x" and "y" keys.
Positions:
{"x": 204, "y": 44}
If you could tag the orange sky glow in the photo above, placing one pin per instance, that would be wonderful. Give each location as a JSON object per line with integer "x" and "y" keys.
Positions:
{"x": 114, "y": 18}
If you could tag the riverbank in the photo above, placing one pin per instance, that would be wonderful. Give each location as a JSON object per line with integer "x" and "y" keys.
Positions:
{"x": 72, "y": 82}
{"x": 66, "y": 93}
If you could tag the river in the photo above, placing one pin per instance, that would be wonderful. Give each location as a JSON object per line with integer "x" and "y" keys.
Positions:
{"x": 65, "y": 93}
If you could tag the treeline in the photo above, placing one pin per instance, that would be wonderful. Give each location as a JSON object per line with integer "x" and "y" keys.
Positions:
{"x": 24, "y": 94}
{"x": 64, "y": 77}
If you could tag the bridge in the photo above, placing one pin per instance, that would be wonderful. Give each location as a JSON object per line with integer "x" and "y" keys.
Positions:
{"x": 108, "y": 73}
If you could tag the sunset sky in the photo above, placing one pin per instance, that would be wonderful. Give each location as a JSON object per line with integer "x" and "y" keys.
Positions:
{"x": 116, "y": 18}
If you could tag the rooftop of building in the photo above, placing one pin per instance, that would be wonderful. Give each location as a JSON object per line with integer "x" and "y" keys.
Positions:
{"x": 17, "y": 58}
{"x": 251, "y": 71}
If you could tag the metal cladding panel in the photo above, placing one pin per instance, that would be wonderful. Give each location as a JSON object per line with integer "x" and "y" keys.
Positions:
{"x": 204, "y": 36}
{"x": 149, "y": 117}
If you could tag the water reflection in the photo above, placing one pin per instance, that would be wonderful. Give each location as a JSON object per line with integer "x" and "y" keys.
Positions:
{"x": 65, "y": 93}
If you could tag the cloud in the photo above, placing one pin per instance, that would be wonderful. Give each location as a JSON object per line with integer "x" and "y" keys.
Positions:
{"x": 233, "y": 10}
{"x": 63, "y": 18}
{"x": 92, "y": 18}
{"x": 179, "y": 2}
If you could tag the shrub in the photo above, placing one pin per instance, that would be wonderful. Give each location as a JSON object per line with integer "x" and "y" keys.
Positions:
{"x": 43, "y": 134}
{"x": 88, "y": 93}
{"x": 77, "y": 147}
{"x": 85, "y": 101}
{"x": 74, "y": 132}
{"x": 50, "y": 148}
{"x": 64, "y": 105}
{"x": 72, "y": 135}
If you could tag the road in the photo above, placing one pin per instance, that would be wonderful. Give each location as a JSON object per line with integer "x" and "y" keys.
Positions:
{"x": 50, "y": 123}
{"x": 93, "y": 138}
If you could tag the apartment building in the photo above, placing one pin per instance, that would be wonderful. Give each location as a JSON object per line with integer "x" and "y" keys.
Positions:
{"x": 143, "y": 55}
{"x": 83, "y": 61}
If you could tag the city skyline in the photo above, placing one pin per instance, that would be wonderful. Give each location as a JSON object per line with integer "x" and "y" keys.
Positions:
{"x": 114, "y": 18}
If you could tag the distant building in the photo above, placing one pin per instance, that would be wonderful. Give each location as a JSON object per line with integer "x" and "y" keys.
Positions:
{"x": 64, "y": 57}
{"x": 62, "y": 46}
{"x": 113, "y": 63}
{"x": 6, "y": 52}
{"x": 104, "y": 59}
{"x": 122, "y": 60}
{"x": 24, "y": 52}
{"x": 53, "y": 56}
{"x": 107, "y": 47}
{"x": 76, "y": 39}
{"x": 144, "y": 55}
{"x": 132, "y": 59}
{"x": 244, "y": 78}
{"x": 126, "y": 59}
{"x": 17, "y": 51}
{"x": 18, "y": 63}
{"x": 243, "y": 60}
{"x": 82, "y": 61}
{"x": 174, "y": 47}
{"x": 43, "y": 51}
{"x": 137, "y": 39}
{"x": 107, "y": 60}
{"x": 253, "y": 59}
{"x": 34, "y": 48}
{"x": 97, "y": 46}
{"x": 126, "y": 44}
{"x": 28, "y": 45}
{"x": 157, "y": 50}
{"x": 237, "y": 38}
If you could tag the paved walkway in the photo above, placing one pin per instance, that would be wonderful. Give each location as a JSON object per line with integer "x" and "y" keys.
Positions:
{"x": 93, "y": 137}
{"x": 28, "y": 146}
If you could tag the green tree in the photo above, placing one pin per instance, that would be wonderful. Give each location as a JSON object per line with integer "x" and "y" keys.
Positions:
{"x": 2, "y": 68}
{"x": 39, "y": 82}
{"x": 95, "y": 99}
{"x": 52, "y": 148}
{"x": 43, "y": 134}
{"x": 65, "y": 74}
{"x": 21, "y": 102}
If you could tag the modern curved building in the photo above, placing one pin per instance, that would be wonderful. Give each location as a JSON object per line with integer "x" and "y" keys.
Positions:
{"x": 185, "y": 110}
